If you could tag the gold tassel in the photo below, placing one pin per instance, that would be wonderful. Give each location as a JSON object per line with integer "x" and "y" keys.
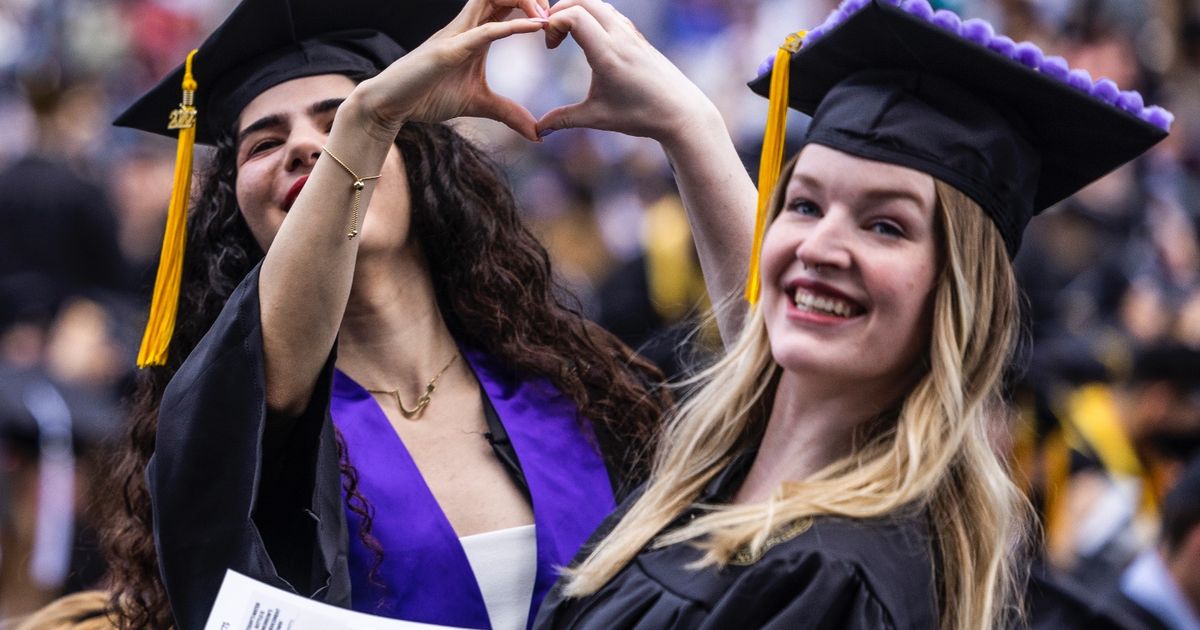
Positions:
{"x": 163, "y": 306}
{"x": 771, "y": 161}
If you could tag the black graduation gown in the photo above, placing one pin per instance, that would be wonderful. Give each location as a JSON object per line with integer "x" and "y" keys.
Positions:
{"x": 232, "y": 488}
{"x": 839, "y": 573}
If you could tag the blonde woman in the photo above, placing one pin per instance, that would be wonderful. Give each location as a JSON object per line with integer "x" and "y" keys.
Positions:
{"x": 834, "y": 470}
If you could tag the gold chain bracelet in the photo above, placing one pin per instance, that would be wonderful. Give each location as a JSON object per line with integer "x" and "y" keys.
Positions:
{"x": 359, "y": 184}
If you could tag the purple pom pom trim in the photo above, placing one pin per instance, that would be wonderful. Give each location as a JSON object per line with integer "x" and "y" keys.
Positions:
{"x": 919, "y": 8}
{"x": 835, "y": 19}
{"x": 850, "y": 7}
{"x": 1080, "y": 79}
{"x": 1106, "y": 90}
{"x": 1025, "y": 53}
{"x": 978, "y": 31}
{"x": 1055, "y": 67}
{"x": 948, "y": 20}
{"x": 1158, "y": 117}
{"x": 1004, "y": 45}
{"x": 1131, "y": 102}
{"x": 1029, "y": 54}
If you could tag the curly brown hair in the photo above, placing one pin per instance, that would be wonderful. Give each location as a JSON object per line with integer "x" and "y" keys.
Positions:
{"x": 487, "y": 269}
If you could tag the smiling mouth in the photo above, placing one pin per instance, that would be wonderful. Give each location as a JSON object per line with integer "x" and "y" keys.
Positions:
{"x": 293, "y": 192}
{"x": 823, "y": 304}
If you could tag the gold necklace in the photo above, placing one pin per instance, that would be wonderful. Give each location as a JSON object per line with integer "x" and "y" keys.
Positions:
{"x": 423, "y": 401}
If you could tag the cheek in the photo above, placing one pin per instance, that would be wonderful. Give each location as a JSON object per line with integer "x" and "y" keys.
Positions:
{"x": 253, "y": 192}
{"x": 778, "y": 251}
{"x": 907, "y": 289}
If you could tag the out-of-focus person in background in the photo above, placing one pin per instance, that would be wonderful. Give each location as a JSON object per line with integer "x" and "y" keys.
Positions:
{"x": 63, "y": 285}
{"x": 1162, "y": 586}
{"x": 59, "y": 237}
{"x": 54, "y": 437}
{"x": 1120, "y": 447}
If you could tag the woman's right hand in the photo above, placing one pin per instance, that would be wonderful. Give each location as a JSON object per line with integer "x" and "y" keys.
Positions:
{"x": 444, "y": 77}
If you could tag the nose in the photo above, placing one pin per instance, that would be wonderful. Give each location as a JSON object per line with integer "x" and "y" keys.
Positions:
{"x": 825, "y": 244}
{"x": 304, "y": 147}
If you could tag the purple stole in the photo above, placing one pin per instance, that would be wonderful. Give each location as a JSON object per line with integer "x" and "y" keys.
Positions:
{"x": 425, "y": 572}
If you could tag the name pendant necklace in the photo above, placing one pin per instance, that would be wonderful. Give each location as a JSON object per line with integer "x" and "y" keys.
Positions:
{"x": 423, "y": 401}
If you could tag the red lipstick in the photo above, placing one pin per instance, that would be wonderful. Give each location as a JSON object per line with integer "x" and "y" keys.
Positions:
{"x": 293, "y": 192}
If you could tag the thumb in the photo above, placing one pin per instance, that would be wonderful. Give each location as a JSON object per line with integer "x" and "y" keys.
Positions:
{"x": 566, "y": 117}
{"x": 509, "y": 112}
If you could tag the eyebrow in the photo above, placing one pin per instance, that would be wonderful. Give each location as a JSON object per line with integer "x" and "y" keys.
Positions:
{"x": 278, "y": 120}
{"x": 266, "y": 122}
{"x": 873, "y": 195}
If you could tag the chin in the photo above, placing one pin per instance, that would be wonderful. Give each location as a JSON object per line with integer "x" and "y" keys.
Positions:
{"x": 799, "y": 359}
{"x": 831, "y": 364}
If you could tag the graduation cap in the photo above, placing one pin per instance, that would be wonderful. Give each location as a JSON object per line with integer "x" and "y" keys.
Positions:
{"x": 895, "y": 81}
{"x": 35, "y": 408}
{"x": 261, "y": 44}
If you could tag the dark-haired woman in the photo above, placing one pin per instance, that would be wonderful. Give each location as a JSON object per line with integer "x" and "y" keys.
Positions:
{"x": 391, "y": 409}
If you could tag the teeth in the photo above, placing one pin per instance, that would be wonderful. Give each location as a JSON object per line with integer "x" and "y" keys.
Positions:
{"x": 828, "y": 305}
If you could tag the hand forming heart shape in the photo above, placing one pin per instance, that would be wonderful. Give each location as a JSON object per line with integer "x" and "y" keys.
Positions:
{"x": 634, "y": 90}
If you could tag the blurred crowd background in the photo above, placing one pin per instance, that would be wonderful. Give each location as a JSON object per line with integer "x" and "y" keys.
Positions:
{"x": 1106, "y": 389}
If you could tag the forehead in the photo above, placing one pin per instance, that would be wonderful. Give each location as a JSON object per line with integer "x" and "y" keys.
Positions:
{"x": 851, "y": 176}
{"x": 295, "y": 96}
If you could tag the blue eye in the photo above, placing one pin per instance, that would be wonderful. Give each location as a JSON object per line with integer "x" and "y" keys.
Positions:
{"x": 887, "y": 228}
{"x": 802, "y": 206}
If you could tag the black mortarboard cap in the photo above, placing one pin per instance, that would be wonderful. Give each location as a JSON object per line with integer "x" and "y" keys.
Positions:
{"x": 266, "y": 42}
{"x": 30, "y": 400}
{"x": 1012, "y": 128}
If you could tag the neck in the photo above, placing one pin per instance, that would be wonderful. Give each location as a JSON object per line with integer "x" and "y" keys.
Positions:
{"x": 811, "y": 425}
{"x": 393, "y": 335}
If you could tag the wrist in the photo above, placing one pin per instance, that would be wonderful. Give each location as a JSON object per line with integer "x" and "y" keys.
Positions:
{"x": 365, "y": 109}
{"x": 695, "y": 127}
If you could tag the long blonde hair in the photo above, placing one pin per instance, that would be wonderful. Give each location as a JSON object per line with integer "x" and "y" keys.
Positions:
{"x": 934, "y": 453}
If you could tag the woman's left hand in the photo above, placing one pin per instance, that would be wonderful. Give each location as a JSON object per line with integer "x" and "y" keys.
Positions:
{"x": 637, "y": 91}
{"x": 444, "y": 77}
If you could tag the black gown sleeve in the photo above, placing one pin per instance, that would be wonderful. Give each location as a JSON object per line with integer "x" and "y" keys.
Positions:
{"x": 233, "y": 488}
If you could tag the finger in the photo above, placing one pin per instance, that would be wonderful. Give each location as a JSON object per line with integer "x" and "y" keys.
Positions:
{"x": 582, "y": 25}
{"x": 510, "y": 113}
{"x": 477, "y": 12}
{"x": 605, "y": 13}
{"x": 534, "y": 8}
{"x": 567, "y": 117}
{"x": 530, "y": 8}
{"x": 480, "y": 37}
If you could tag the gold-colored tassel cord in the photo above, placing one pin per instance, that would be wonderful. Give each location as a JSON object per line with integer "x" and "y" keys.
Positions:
{"x": 165, "y": 303}
{"x": 772, "y": 153}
